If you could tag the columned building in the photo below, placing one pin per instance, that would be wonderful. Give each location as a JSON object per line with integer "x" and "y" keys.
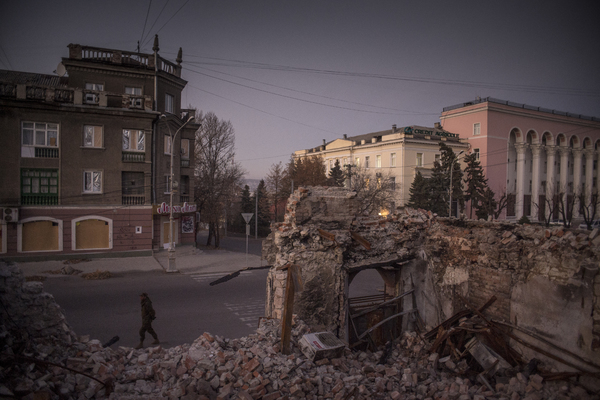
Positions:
{"x": 543, "y": 160}
{"x": 397, "y": 152}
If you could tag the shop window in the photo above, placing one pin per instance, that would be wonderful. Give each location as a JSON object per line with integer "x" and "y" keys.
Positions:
{"x": 91, "y": 232}
{"x": 39, "y": 234}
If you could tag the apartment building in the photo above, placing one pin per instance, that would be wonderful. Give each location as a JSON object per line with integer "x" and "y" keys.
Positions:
{"x": 398, "y": 153}
{"x": 537, "y": 156}
{"x": 86, "y": 156}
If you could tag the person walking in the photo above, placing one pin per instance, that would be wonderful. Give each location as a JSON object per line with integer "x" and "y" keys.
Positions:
{"x": 148, "y": 315}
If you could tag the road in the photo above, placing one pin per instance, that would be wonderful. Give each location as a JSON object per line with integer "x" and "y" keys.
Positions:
{"x": 186, "y": 306}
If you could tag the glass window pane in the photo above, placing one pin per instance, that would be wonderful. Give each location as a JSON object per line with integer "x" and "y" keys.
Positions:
{"x": 53, "y": 189}
{"x": 27, "y": 137}
{"x": 126, "y": 140}
{"x": 40, "y": 138}
{"x": 26, "y": 181}
{"x": 26, "y": 189}
{"x": 44, "y": 189}
{"x": 88, "y": 136}
{"x": 27, "y": 125}
{"x": 53, "y": 181}
{"x": 97, "y": 136}
{"x": 35, "y": 185}
{"x": 87, "y": 181}
{"x": 40, "y": 126}
{"x": 52, "y": 138}
{"x": 97, "y": 182}
{"x": 44, "y": 181}
{"x": 140, "y": 141}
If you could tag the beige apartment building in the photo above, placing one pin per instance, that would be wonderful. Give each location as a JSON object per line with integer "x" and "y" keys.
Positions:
{"x": 397, "y": 152}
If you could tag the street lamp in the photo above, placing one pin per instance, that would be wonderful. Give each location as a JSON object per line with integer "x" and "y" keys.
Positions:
{"x": 172, "y": 265}
{"x": 451, "y": 169}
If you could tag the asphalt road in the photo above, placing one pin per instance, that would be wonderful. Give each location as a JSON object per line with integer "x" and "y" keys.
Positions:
{"x": 186, "y": 306}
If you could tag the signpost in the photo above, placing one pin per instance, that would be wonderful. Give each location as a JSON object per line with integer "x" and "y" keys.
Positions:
{"x": 247, "y": 218}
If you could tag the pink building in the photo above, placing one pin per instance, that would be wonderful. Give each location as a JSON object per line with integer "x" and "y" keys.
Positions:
{"x": 536, "y": 156}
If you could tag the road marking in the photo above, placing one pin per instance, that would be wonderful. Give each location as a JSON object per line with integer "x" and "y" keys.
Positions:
{"x": 248, "y": 311}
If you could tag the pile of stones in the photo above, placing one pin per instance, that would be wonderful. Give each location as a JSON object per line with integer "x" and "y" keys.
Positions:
{"x": 42, "y": 359}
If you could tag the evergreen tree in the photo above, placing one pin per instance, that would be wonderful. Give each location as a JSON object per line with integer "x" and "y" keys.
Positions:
{"x": 420, "y": 193}
{"x": 279, "y": 190}
{"x": 263, "y": 218}
{"x": 336, "y": 175}
{"x": 440, "y": 182}
{"x": 476, "y": 183}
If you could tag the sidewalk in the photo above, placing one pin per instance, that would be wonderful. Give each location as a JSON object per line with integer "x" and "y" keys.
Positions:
{"x": 188, "y": 259}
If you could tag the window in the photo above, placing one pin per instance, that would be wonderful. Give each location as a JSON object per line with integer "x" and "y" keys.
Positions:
{"x": 169, "y": 103}
{"x": 476, "y": 128}
{"x": 346, "y": 161}
{"x": 167, "y": 184}
{"x": 357, "y": 161}
{"x": 393, "y": 160}
{"x": 367, "y": 159}
{"x": 91, "y": 232}
{"x": 39, "y": 234}
{"x": 136, "y": 91}
{"x": 167, "y": 144}
{"x": 378, "y": 161}
{"x": 92, "y": 182}
{"x": 476, "y": 152}
{"x": 92, "y": 97}
{"x": 330, "y": 164}
{"x": 92, "y": 136}
{"x": 419, "y": 159}
{"x": 39, "y": 134}
{"x": 184, "y": 185}
{"x": 392, "y": 183}
{"x": 133, "y": 140}
{"x": 99, "y": 87}
{"x": 39, "y": 186}
{"x": 185, "y": 149}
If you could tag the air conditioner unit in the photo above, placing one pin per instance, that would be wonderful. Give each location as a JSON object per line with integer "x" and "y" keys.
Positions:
{"x": 10, "y": 214}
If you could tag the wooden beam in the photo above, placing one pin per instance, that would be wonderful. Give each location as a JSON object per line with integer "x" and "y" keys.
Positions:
{"x": 364, "y": 242}
{"x": 381, "y": 305}
{"x": 293, "y": 284}
{"x": 327, "y": 235}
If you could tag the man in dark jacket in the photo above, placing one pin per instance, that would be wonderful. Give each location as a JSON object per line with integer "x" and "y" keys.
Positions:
{"x": 148, "y": 315}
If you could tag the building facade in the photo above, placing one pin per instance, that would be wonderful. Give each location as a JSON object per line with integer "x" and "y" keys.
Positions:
{"x": 542, "y": 159}
{"x": 398, "y": 153}
{"x": 86, "y": 156}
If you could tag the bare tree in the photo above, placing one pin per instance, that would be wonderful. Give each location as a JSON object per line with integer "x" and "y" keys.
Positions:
{"x": 217, "y": 175}
{"x": 373, "y": 190}
{"x": 588, "y": 207}
{"x": 565, "y": 204}
{"x": 275, "y": 185}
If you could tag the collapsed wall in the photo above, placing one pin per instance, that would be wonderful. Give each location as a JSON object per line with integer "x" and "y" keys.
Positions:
{"x": 546, "y": 281}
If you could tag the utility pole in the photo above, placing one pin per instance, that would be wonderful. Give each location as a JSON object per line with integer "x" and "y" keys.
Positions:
{"x": 256, "y": 220}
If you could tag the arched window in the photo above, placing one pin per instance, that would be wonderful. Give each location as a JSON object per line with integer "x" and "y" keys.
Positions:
{"x": 91, "y": 232}
{"x": 39, "y": 234}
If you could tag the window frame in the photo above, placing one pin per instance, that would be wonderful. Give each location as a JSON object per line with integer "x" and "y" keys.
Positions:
{"x": 357, "y": 162}
{"x": 34, "y": 219}
{"x": 49, "y": 184}
{"x": 93, "y": 172}
{"x": 477, "y": 129}
{"x": 47, "y": 129}
{"x": 167, "y": 145}
{"x": 392, "y": 159}
{"x": 477, "y": 153}
{"x": 169, "y": 103}
{"x": 367, "y": 160}
{"x": 419, "y": 160}
{"x": 132, "y": 89}
{"x": 182, "y": 147}
{"x": 378, "y": 161}
{"x": 392, "y": 183}
{"x": 168, "y": 184}
{"x": 134, "y": 133}
{"x": 101, "y": 133}
{"x": 86, "y": 217}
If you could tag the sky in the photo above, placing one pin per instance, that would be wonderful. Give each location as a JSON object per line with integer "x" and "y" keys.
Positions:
{"x": 288, "y": 74}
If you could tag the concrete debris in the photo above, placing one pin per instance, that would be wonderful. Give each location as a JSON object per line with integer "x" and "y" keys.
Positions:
{"x": 42, "y": 359}
{"x": 97, "y": 275}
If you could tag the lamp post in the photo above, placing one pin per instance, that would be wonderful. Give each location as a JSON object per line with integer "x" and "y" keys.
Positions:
{"x": 451, "y": 169}
{"x": 172, "y": 264}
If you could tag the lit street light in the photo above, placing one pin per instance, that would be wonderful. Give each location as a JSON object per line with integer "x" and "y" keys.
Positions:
{"x": 172, "y": 264}
{"x": 451, "y": 169}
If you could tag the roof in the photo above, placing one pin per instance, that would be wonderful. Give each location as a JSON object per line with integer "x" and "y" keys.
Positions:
{"x": 23, "y": 78}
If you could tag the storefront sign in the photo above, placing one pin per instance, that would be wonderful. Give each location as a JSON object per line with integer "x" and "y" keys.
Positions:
{"x": 165, "y": 209}
{"x": 410, "y": 130}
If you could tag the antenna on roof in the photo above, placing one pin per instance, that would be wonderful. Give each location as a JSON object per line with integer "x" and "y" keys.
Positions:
{"x": 60, "y": 70}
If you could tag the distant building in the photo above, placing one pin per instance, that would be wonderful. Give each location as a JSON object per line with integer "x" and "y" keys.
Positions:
{"x": 399, "y": 152}
{"x": 532, "y": 154}
{"x": 85, "y": 157}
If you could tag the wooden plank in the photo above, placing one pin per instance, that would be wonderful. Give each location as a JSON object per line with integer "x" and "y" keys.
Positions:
{"x": 381, "y": 305}
{"x": 365, "y": 243}
{"x": 327, "y": 235}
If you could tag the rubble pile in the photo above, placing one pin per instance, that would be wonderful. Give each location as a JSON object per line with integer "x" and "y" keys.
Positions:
{"x": 43, "y": 361}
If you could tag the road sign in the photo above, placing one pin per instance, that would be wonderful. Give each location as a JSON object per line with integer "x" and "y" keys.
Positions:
{"x": 247, "y": 217}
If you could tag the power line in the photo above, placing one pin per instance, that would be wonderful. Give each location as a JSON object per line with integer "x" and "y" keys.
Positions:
{"x": 144, "y": 29}
{"x": 145, "y": 39}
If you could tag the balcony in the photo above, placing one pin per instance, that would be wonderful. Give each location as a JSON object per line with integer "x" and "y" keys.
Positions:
{"x": 185, "y": 163}
{"x": 46, "y": 152}
{"x": 184, "y": 199}
{"x": 133, "y": 157}
{"x": 39, "y": 200}
{"x": 133, "y": 200}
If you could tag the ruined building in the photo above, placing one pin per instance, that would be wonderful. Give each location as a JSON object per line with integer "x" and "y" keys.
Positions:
{"x": 545, "y": 280}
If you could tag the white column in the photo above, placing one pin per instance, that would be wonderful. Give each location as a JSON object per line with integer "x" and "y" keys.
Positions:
{"x": 564, "y": 162}
{"x": 521, "y": 148}
{"x": 550, "y": 184}
{"x": 589, "y": 173}
{"x": 577, "y": 186}
{"x": 535, "y": 181}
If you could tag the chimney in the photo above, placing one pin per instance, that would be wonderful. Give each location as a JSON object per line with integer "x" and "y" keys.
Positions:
{"x": 437, "y": 125}
{"x": 345, "y": 136}
{"x": 394, "y": 128}
{"x": 323, "y": 142}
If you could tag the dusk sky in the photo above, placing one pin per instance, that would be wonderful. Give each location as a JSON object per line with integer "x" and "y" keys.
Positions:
{"x": 290, "y": 74}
